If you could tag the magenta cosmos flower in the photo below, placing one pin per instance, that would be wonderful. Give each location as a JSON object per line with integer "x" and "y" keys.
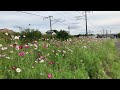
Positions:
{"x": 20, "y": 47}
{"x": 21, "y": 54}
{"x": 49, "y": 75}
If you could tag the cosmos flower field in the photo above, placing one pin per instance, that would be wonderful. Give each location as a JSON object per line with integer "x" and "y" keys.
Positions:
{"x": 75, "y": 58}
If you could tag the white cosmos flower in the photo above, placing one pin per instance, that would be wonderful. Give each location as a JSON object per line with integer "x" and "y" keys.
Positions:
{"x": 3, "y": 48}
{"x": 11, "y": 45}
{"x": 35, "y": 45}
{"x": 57, "y": 54}
{"x": 84, "y": 47}
{"x": 17, "y": 37}
{"x": 41, "y": 61}
{"x": 53, "y": 51}
{"x": 26, "y": 52}
{"x": 24, "y": 36}
{"x": 8, "y": 57}
{"x": 35, "y": 41}
{"x": 41, "y": 73}
{"x": 81, "y": 60}
{"x": 11, "y": 51}
{"x": 0, "y": 45}
{"x": 36, "y": 61}
{"x": 18, "y": 70}
{"x": 32, "y": 66}
{"x": 64, "y": 51}
{"x": 12, "y": 36}
{"x": 6, "y": 33}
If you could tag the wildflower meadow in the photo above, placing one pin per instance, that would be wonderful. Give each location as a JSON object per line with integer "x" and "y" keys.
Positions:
{"x": 50, "y": 58}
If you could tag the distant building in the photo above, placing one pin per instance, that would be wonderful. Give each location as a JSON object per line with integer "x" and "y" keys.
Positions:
{"x": 108, "y": 36}
{"x": 50, "y": 32}
{"x": 113, "y": 35}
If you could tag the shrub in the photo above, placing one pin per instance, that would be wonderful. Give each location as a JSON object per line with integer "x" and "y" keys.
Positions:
{"x": 63, "y": 35}
{"x": 119, "y": 35}
{"x": 30, "y": 35}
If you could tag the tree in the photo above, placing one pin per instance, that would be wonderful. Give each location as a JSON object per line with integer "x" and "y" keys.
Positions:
{"x": 119, "y": 35}
{"x": 55, "y": 31}
{"x": 30, "y": 35}
{"x": 63, "y": 35}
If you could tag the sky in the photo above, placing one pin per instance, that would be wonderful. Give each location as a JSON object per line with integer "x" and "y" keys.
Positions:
{"x": 97, "y": 21}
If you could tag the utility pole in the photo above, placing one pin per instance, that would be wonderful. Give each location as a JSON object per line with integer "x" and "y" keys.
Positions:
{"x": 86, "y": 23}
{"x": 106, "y": 33}
{"x": 50, "y": 22}
{"x": 69, "y": 29}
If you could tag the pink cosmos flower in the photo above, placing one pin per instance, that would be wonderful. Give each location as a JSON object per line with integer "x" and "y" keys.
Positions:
{"x": 21, "y": 54}
{"x": 27, "y": 46}
{"x": 17, "y": 47}
{"x": 41, "y": 58}
{"x": 49, "y": 75}
{"x": 35, "y": 45}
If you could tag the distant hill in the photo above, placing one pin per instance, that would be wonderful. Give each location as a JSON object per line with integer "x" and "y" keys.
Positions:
{"x": 6, "y": 30}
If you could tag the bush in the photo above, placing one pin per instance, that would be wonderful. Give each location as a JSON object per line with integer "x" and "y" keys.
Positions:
{"x": 30, "y": 35}
{"x": 63, "y": 35}
{"x": 119, "y": 35}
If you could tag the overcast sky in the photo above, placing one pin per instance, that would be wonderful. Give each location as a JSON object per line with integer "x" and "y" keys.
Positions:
{"x": 97, "y": 21}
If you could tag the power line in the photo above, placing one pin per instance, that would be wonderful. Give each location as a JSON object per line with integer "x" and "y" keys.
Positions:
{"x": 95, "y": 20}
{"x": 64, "y": 15}
{"x": 30, "y": 13}
{"x": 93, "y": 25}
{"x": 40, "y": 15}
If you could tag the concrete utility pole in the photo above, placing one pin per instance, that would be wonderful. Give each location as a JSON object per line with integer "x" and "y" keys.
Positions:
{"x": 106, "y": 33}
{"x": 69, "y": 29}
{"x": 50, "y": 22}
{"x": 86, "y": 22}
